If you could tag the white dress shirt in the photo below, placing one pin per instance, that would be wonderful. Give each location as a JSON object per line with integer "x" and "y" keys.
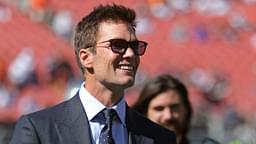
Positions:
{"x": 93, "y": 107}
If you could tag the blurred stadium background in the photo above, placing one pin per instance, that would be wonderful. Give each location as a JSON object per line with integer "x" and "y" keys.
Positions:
{"x": 208, "y": 44}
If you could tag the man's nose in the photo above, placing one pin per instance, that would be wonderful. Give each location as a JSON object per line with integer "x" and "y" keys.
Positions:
{"x": 129, "y": 52}
{"x": 167, "y": 114}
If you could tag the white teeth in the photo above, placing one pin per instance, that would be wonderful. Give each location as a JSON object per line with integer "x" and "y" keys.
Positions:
{"x": 126, "y": 67}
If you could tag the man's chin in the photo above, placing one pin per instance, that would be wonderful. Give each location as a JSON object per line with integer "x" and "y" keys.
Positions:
{"x": 129, "y": 84}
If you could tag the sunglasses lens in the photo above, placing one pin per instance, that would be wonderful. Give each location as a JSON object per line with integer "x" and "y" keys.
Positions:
{"x": 118, "y": 45}
{"x": 138, "y": 47}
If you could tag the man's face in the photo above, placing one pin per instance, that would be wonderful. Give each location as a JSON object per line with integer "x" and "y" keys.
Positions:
{"x": 113, "y": 69}
{"x": 168, "y": 110}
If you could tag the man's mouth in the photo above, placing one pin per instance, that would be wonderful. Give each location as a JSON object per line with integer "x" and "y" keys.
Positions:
{"x": 126, "y": 67}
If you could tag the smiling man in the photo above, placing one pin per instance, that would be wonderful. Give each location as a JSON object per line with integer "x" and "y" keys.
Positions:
{"x": 108, "y": 53}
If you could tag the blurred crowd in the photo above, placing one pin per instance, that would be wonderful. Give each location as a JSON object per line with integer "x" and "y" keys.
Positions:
{"x": 23, "y": 91}
{"x": 20, "y": 84}
{"x": 213, "y": 116}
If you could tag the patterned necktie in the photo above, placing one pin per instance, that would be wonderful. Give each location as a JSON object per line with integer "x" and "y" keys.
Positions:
{"x": 106, "y": 132}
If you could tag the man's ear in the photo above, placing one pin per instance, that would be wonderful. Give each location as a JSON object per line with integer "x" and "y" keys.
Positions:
{"x": 86, "y": 58}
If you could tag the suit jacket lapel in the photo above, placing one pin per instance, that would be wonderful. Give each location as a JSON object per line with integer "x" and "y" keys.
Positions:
{"x": 74, "y": 123}
{"x": 74, "y": 126}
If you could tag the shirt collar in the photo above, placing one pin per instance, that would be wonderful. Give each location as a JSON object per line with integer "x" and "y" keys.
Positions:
{"x": 92, "y": 106}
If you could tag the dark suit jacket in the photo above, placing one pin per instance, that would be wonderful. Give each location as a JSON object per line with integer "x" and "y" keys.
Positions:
{"x": 67, "y": 123}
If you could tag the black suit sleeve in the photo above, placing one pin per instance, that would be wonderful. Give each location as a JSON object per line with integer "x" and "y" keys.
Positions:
{"x": 24, "y": 132}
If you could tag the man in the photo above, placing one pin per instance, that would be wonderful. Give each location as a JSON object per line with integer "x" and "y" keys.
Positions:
{"x": 165, "y": 101}
{"x": 108, "y": 52}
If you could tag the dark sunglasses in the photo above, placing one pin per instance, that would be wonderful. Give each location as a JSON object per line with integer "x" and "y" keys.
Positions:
{"x": 120, "y": 46}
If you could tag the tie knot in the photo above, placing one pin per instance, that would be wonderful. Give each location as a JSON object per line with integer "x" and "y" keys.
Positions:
{"x": 109, "y": 114}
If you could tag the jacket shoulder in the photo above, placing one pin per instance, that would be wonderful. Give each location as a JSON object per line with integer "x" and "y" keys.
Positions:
{"x": 43, "y": 125}
{"x": 60, "y": 112}
{"x": 48, "y": 113}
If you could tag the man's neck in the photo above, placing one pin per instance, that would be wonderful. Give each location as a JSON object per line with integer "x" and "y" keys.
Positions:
{"x": 107, "y": 97}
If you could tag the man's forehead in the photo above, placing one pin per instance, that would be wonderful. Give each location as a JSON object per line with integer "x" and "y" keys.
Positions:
{"x": 107, "y": 28}
{"x": 112, "y": 22}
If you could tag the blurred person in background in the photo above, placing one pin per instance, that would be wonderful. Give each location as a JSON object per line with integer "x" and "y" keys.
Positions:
{"x": 165, "y": 101}
{"x": 61, "y": 80}
{"x": 108, "y": 53}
